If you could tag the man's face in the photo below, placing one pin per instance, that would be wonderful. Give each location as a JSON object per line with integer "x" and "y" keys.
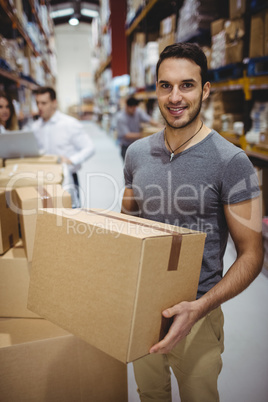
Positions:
{"x": 179, "y": 91}
{"x": 131, "y": 110}
{"x": 5, "y": 112}
{"x": 46, "y": 106}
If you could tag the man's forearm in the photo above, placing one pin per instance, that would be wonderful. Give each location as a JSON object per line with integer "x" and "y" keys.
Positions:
{"x": 132, "y": 136}
{"x": 239, "y": 276}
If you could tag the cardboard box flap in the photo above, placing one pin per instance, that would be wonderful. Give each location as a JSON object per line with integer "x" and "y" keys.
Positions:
{"x": 47, "y": 196}
{"x": 120, "y": 223}
{"x": 46, "y": 159}
{"x": 19, "y": 331}
{"x": 152, "y": 224}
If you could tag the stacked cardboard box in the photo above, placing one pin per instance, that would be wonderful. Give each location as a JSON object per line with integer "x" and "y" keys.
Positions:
{"x": 42, "y": 362}
{"x": 9, "y": 233}
{"x": 167, "y": 34}
{"x": 137, "y": 65}
{"x": 21, "y": 205}
{"x": 258, "y": 46}
{"x": 222, "y": 108}
{"x": 227, "y": 42}
{"x": 39, "y": 160}
{"x": 29, "y": 201}
{"x": 57, "y": 366}
{"x": 14, "y": 283}
{"x": 195, "y": 17}
{"x": 25, "y": 175}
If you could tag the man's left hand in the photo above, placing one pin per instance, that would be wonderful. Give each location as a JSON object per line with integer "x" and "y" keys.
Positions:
{"x": 63, "y": 159}
{"x": 185, "y": 316}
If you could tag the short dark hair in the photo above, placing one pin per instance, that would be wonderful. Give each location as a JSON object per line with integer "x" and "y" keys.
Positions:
{"x": 44, "y": 90}
{"x": 191, "y": 51}
{"x": 132, "y": 101}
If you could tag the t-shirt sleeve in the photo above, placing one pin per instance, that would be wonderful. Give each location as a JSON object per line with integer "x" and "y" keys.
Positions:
{"x": 127, "y": 169}
{"x": 240, "y": 180}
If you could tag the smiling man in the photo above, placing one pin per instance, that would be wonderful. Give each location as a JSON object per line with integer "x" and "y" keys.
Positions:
{"x": 188, "y": 175}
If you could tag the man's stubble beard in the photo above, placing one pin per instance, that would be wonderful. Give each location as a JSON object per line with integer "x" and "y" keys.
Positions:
{"x": 191, "y": 118}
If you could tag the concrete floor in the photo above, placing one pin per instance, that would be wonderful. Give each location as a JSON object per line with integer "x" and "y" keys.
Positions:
{"x": 244, "y": 377}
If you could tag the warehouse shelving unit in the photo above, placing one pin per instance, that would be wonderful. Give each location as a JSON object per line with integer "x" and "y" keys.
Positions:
{"x": 13, "y": 81}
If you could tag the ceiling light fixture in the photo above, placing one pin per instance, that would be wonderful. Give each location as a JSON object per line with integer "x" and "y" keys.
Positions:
{"x": 89, "y": 13}
{"x": 73, "y": 21}
{"x": 62, "y": 13}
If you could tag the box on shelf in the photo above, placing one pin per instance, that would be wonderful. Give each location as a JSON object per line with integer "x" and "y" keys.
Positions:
{"x": 130, "y": 269}
{"x": 234, "y": 52}
{"x": 166, "y": 41}
{"x": 217, "y": 26}
{"x": 234, "y": 30}
{"x": 14, "y": 284}
{"x": 28, "y": 200}
{"x": 30, "y": 174}
{"x": 42, "y": 362}
{"x": 9, "y": 231}
{"x": 228, "y": 120}
{"x": 237, "y": 8}
{"x": 46, "y": 159}
{"x": 256, "y": 41}
{"x": 264, "y": 138}
{"x": 168, "y": 25}
{"x": 266, "y": 33}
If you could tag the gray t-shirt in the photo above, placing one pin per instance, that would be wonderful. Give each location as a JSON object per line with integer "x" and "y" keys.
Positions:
{"x": 126, "y": 123}
{"x": 191, "y": 190}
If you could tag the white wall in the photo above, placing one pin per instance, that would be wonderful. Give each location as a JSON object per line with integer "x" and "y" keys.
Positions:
{"x": 74, "y": 56}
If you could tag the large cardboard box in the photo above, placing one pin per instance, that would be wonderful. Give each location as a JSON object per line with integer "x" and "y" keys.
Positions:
{"x": 256, "y": 41}
{"x": 9, "y": 232}
{"x": 266, "y": 33}
{"x": 107, "y": 278}
{"x": 41, "y": 362}
{"x": 29, "y": 200}
{"x": 30, "y": 174}
{"x": 14, "y": 284}
{"x": 46, "y": 159}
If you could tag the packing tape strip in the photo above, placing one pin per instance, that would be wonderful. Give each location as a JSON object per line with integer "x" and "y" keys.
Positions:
{"x": 45, "y": 197}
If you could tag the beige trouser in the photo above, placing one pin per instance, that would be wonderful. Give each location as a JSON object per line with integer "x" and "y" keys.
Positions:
{"x": 195, "y": 361}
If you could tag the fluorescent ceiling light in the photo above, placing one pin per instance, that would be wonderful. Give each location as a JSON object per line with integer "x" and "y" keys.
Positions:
{"x": 89, "y": 13}
{"x": 73, "y": 21}
{"x": 62, "y": 13}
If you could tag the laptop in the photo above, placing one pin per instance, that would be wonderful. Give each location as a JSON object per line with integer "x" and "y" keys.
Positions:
{"x": 18, "y": 144}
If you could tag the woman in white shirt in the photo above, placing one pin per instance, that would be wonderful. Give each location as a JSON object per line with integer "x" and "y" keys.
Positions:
{"x": 8, "y": 118}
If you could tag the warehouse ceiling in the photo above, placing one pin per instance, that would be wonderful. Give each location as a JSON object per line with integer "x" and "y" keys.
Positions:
{"x": 63, "y": 10}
